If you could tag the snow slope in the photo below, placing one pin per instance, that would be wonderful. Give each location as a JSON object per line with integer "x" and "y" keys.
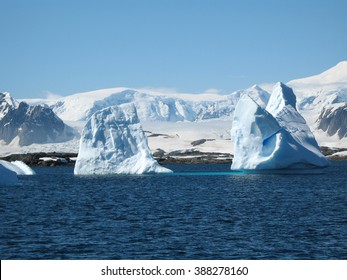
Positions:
{"x": 332, "y": 79}
{"x": 198, "y": 116}
{"x": 320, "y": 93}
{"x": 152, "y": 105}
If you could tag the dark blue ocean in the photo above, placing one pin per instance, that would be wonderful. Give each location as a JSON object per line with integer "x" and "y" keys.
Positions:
{"x": 188, "y": 215}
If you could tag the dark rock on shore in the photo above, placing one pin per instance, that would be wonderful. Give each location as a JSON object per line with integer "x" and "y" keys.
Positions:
{"x": 194, "y": 160}
{"x": 200, "y": 141}
{"x": 334, "y": 120}
{"x": 192, "y": 156}
{"x": 328, "y": 152}
{"x": 31, "y": 124}
{"x": 33, "y": 159}
{"x": 176, "y": 157}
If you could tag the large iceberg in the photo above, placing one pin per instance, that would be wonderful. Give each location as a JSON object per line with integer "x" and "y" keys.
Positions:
{"x": 113, "y": 142}
{"x": 276, "y": 137}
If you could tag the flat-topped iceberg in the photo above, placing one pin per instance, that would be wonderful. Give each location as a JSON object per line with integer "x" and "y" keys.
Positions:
{"x": 113, "y": 142}
{"x": 276, "y": 137}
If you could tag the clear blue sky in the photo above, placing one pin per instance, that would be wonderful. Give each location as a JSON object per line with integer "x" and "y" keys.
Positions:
{"x": 69, "y": 46}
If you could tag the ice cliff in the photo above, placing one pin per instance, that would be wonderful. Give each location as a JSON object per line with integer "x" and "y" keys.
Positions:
{"x": 113, "y": 142}
{"x": 276, "y": 137}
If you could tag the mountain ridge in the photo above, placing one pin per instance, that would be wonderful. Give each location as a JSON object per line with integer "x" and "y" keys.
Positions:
{"x": 185, "y": 118}
{"x": 25, "y": 124}
{"x": 330, "y": 79}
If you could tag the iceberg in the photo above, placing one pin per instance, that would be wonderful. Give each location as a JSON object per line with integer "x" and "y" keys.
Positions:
{"x": 7, "y": 176}
{"x": 276, "y": 137}
{"x": 113, "y": 142}
{"x": 19, "y": 167}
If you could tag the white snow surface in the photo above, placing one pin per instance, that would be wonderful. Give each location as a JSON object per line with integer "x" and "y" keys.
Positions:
{"x": 318, "y": 92}
{"x": 331, "y": 79}
{"x": 7, "y": 176}
{"x": 19, "y": 167}
{"x": 273, "y": 138}
{"x": 192, "y": 117}
{"x": 152, "y": 105}
{"x": 339, "y": 154}
{"x": 7, "y": 102}
{"x": 113, "y": 142}
{"x": 176, "y": 136}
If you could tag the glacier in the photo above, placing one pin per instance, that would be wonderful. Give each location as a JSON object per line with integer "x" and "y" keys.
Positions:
{"x": 113, "y": 142}
{"x": 275, "y": 137}
{"x": 155, "y": 106}
{"x": 185, "y": 117}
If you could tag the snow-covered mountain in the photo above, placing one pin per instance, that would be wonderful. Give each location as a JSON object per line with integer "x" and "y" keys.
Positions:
{"x": 333, "y": 120}
{"x": 319, "y": 98}
{"x": 25, "y": 124}
{"x": 171, "y": 120}
{"x": 332, "y": 79}
{"x": 177, "y": 119}
{"x": 155, "y": 106}
{"x": 6, "y": 103}
{"x": 313, "y": 94}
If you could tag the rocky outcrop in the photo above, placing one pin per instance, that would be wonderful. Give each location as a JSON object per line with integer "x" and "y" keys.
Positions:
{"x": 31, "y": 124}
{"x": 333, "y": 121}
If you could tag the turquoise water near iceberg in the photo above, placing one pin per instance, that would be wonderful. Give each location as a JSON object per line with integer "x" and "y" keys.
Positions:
{"x": 199, "y": 212}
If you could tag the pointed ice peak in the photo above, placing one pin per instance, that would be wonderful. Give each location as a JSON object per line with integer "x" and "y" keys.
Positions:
{"x": 6, "y": 97}
{"x": 247, "y": 108}
{"x": 281, "y": 97}
{"x": 7, "y": 103}
{"x": 277, "y": 139}
{"x": 256, "y": 93}
{"x": 256, "y": 87}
